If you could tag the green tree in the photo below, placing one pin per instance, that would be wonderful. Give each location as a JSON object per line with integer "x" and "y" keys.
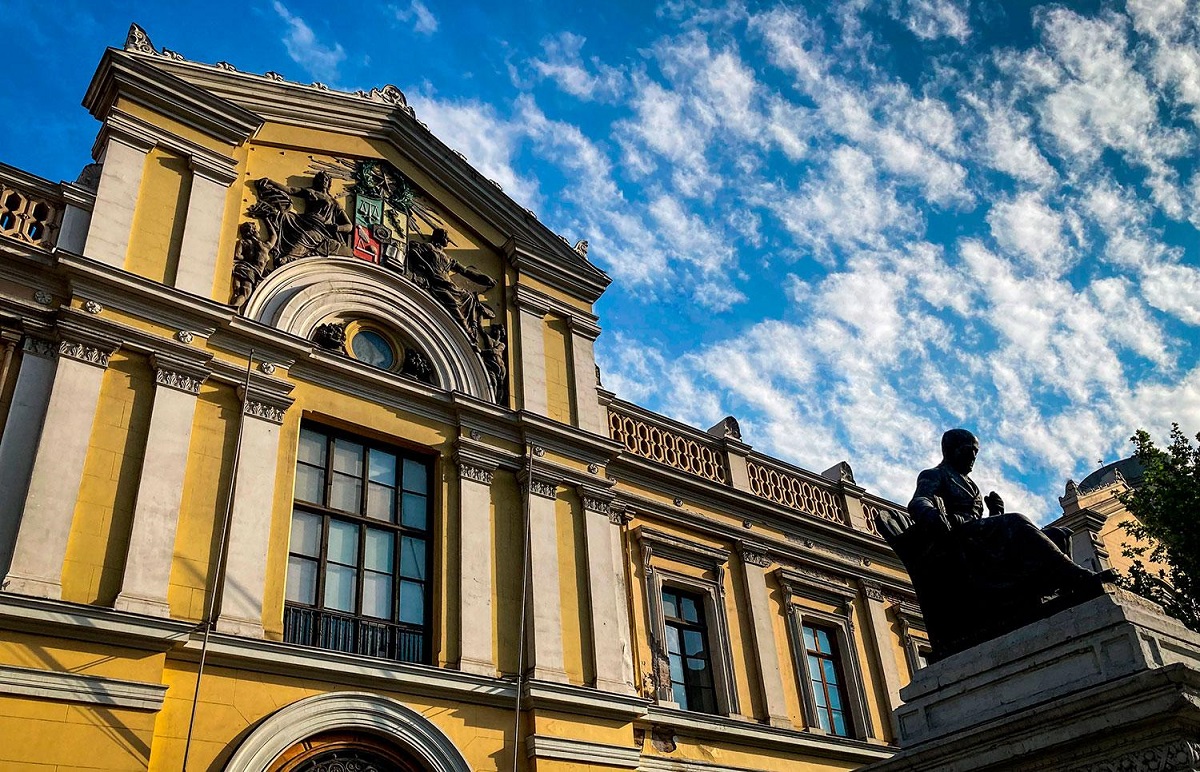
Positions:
{"x": 1167, "y": 506}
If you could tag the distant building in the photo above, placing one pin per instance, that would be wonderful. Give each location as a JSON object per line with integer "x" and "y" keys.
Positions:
{"x": 1092, "y": 509}
{"x": 341, "y": 471}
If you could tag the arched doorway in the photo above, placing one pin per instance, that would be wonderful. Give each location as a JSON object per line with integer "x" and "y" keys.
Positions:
{"x": 347, "y": 732}
{"x": 345, "y": 752}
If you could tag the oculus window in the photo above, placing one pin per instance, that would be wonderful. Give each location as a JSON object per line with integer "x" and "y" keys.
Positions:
{"x": 357, "y": 578}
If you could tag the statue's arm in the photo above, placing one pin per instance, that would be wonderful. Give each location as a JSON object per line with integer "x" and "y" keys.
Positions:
{"x": 926, "y": 506}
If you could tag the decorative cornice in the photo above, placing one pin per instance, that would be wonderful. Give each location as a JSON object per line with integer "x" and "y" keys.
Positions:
{"x": 74, "y": 687}
{"x": 1178, "y": 756}
{"x": 681, "y": 550}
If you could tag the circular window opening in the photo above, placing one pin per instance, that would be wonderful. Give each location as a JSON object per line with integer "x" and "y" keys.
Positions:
{"x": 374, "y": 349}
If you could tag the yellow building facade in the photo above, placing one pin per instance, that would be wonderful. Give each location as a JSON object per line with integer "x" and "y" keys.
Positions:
{"x": 305, "y": 462}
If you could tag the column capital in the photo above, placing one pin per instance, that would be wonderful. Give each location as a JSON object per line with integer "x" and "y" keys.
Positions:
{"x": 873, "y": 590}
{"x": 39, "y": 347}
{"x": 469, "y": 471}
{"x": 754, "y": 554}
{"x": 176, "y": 373}
{"x": 619, "y": 514}
{"x": 540, "y": 483}
{"x": 92, "y": 350}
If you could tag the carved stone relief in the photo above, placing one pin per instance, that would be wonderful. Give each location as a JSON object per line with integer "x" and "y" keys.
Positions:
{"x": 1175, "y": 756}
{"x": 84, "y": 353}
{"x": 177, "y": 380}
{"x": 264, "y": 411}
{"x": 475, "y": 473}
{"x": 755, "y": 556}
{"x": 543, "y": 488}
{"x": 39, "y": 347}
{"x": 330, "y": 336}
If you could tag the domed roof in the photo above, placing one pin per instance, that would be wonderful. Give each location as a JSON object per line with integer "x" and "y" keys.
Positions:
{"x": 1130, "y": 469}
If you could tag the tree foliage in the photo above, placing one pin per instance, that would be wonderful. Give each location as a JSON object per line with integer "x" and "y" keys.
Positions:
{"x": 1167, "y": 507}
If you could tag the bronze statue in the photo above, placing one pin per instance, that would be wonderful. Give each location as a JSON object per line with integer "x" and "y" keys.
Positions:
{"x": 432, "y": 268}
{"x": 251, "y": 261}
{"x": 977, "y": 577}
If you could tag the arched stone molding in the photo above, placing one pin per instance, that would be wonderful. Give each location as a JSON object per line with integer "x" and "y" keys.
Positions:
{"x": 299, "y": 296}
{"x": 348, "y": 711}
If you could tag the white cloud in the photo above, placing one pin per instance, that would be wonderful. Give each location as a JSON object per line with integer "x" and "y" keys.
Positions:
{"x": 1033, "y": 232}
{"x": 563, "y": 63}
{"x": 321, "y": 61}
{"x": 932, "y": 19}
{"x": 422, "y": 19}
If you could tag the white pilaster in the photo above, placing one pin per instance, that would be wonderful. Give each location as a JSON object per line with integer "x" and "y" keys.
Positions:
{"x": 475, "y": 564}
{"x": 545, "y": 649}
{"x": 160, "y": 490}
{"x": 533, "y": 356}
{"x": 583, "y": 358}
{"x": 202, "y": 231}
{"x": 610, "y": 640}
{"x": 77, "y": 217}
{"x": 116, "y": 199}
{"x": 21, "y": 431}
{"x": 249, "y": 537}
{"x": 61, "y": 450}
{"x": 754, "y": 564}
{"x": 880, "y": 633}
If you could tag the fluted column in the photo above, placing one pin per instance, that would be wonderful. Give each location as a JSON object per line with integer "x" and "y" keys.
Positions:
{"x": 21, "y": 432}
{"x": 249, "y": 535}
{"x": 475, "y": 472}
{"x": 160, "y": 490}
{"x": 610, "y": 625}
{"x": 770, "y": 677}
{"x": 544, "y": 625}
{"x": 41, "y": 544}
{"x": 530, "y": 316}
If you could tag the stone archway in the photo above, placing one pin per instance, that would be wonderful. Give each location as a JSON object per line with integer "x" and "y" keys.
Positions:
{"x": 363, "y": 727}
{"x": 303, "y": 294}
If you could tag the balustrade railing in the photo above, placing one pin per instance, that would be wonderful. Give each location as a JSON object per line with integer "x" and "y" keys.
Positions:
{"x": 674, "y": 445}
{"x": 31, "y": 209}
{"x": 355, "y": 635}
{"x": 810, "y": 494}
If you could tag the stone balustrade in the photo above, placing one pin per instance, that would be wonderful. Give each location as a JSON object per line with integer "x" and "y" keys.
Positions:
{"x": 796, "y": 489}
{"x": 667, "y": 442}
{"x": 31, "y": 209}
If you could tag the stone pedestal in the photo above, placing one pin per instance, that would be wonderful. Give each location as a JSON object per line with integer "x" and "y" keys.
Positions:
{"x": 1112, "y": 684}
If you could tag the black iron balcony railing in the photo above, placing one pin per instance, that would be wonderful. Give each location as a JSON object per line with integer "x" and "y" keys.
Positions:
{"x": 355, "y": 635}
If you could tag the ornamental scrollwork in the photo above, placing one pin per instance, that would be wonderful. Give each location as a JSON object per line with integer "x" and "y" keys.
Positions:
{"x": 177, "y": 380}
{"x": 1177, "y": 756}
{"x": 596, "y": 504}
{"x": 475, "y": 473}
{"x": 543, "y": 488}
{"x": 755, "y": 556}
{"x": 264, "y": 411}
{"x": 38, "y": 347}
{"x": 84, "y": 353}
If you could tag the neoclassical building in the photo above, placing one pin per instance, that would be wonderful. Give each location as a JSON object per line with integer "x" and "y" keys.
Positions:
{"x": 305, "y": 462}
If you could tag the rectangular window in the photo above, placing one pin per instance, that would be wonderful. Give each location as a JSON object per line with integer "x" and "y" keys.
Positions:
{"x": 687, "y": 651}
{"x": 826, "y": 678}
{"x": 357, "y": 577}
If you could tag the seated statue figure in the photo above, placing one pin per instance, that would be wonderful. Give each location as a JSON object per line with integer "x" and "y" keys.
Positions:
{"x": 977, "y": 577}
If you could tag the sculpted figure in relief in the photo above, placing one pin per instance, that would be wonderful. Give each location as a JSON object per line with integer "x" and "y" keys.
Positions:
{"x": 323, "y": 228}
{"x": 251, "y": 260}
{"x": 433, "y": 269}
{"x": 495, "y": 361}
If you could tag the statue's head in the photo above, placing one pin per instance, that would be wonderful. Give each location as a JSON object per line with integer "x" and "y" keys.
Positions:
{"x": 959, "y": 449}
{"x": 321, "y": 181}
{"x": 440, "y": 237}
{"x": 248, "y": 230}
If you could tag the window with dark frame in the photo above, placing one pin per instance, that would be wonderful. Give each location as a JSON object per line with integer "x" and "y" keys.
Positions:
{"x": 687, "y": 651}
{"x": 826, "y": 677}
{"x": 357, "y": 577}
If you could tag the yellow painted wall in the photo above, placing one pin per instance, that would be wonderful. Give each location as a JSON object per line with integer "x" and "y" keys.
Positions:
{"x": 95, "y": 560}
{"x": 159, "y": 217}
{"x": 558, "y": 369}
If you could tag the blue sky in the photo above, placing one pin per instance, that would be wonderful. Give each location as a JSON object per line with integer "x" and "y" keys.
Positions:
{"x": 851, "y": 225}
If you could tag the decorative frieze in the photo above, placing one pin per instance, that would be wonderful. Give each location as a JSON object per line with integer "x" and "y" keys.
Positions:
{"x": 38, "y": 347}
{"x": 596, "y": 504}
{"x": 475, "y": 473}
{"x": 178, "y": 380}
{"x": 265, "y": 411}
{"x": 84, "y": 352}
{"x": 873, "y": 591}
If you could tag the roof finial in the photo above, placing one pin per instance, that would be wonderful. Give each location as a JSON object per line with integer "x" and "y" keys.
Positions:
{"x": 137, "y": 40}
